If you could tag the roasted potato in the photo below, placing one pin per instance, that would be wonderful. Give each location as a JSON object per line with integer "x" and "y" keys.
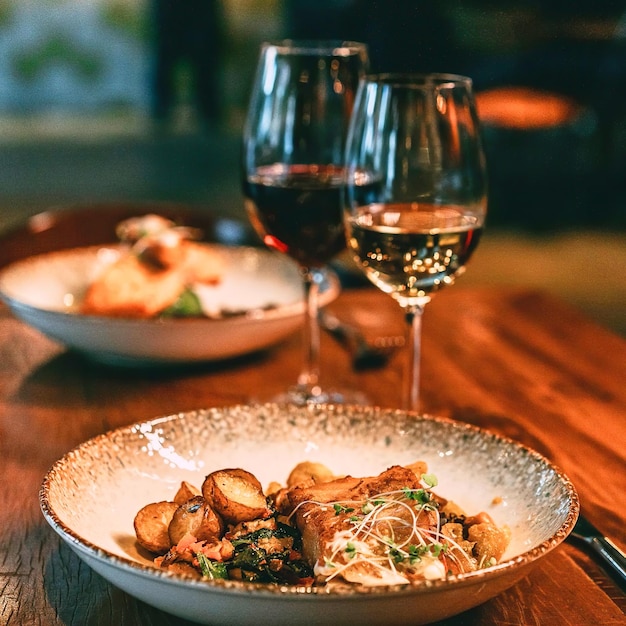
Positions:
{"x": 185, "y": 492}
{"x": 491, "y": 541}
{"x": 236, "y": 495}
{"x": 152, "y": 524}
{"x": 308, "y": 471}
{"x": 197, "y": 518}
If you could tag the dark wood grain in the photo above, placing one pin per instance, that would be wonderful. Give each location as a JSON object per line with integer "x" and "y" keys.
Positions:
{"x": 514, "y": 361}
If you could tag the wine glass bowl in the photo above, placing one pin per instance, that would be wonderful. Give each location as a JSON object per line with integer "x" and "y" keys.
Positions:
{"x": 296, "y": 209}
{"x": 416, "y": 196}
{"x": 410, "y": 253}
{"x": 293, "y": 166}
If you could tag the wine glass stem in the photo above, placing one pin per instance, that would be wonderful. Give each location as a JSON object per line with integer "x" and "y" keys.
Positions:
{"x": 309, "y": 376}
{"x": 413, "y": 316}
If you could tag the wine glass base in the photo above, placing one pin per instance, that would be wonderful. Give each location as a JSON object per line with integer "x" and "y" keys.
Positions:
{"x": 302, "y": 396}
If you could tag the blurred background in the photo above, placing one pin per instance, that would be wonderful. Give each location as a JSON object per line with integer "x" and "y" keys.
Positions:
{"x": 144, "y": 100}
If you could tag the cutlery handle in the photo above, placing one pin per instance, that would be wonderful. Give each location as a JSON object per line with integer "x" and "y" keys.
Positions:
{"x": 611, "y": 554}
{"x": 350, "y": 337}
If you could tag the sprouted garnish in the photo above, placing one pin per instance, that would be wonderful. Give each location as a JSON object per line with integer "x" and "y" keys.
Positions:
{"x": 393, "y": 538}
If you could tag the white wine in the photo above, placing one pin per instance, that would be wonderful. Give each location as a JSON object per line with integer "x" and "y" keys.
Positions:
{"x": 412, "y": 250}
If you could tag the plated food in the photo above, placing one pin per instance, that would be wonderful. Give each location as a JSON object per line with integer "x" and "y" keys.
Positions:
{"x": 248, "y": 299}
{"x": 159, "y": 270}
{"x": 389, "y": 529}
{"x": 148, "y": 462}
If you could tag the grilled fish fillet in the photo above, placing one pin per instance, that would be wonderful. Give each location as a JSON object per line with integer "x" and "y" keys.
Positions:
{"x": 319, "y": 521}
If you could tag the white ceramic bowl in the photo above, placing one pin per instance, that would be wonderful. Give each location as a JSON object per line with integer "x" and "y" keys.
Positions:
{"x": 41, "y": 290}
{"x": 91, "y": 495}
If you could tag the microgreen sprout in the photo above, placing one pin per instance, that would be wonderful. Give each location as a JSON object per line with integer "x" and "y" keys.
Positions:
{"x": 340, "y": 508}
{"x": 370, "y": 505}
{"x": 396, "y": 554}
{"x": 418, "y": 495}
{"x": 437, "y": 549}
{"x": 415, "y": 553}
{"x": 430, "y": 480}
{"x": 350, "y": 550}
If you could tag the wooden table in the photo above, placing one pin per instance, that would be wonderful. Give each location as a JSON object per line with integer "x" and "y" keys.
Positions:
{"x": 515, "y": 361}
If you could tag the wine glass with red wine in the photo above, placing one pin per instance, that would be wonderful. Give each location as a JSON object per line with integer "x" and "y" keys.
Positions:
{"x": 293, "y": 168}
{"x": 414, "y": 147}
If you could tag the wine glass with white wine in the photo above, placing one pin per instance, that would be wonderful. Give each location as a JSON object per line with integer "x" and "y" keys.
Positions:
{"x": 416, "y": 195}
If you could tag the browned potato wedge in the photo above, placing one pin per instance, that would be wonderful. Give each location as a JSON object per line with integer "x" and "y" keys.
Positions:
{"x": 197, "y": 518}
{"x": 151, "y": 526}
{"x": 309, "y": 471}
{"x": 236, "y": 495}
{"x": 491, "y": 541}
{"x": 185, "y": 492}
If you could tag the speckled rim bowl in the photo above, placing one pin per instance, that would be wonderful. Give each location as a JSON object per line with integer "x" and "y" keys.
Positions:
{"x": 265, "y": 286}
{"x": 91, "y": 495}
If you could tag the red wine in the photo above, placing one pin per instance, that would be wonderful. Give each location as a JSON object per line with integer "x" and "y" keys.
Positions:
{"x": 411, "y": 251}
{"x": 298, "y": 210}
